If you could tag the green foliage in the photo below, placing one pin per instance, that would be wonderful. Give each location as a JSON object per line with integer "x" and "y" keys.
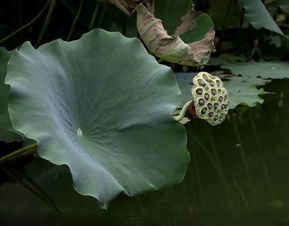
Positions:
{"x": 225, "y": 13}
{"x": 258, "y": 16}
{"x": 282, "y": 4}
{"x": 7, "y": 133}
{"x": 102, "y": 106}
{"x": 242, "y": 93}
{"x": 262, "y": 69}
{"x": 171, "y": 13}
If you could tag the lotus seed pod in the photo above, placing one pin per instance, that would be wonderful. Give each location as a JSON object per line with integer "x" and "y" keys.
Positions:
{"x": 210, "y": 98}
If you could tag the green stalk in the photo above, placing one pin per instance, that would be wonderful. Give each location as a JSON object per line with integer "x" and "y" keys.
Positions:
{"x": 92, "y": 20}
{"x": 264, "y": 165}
{"x": 76, "y": 17}
{"x": 183, "y": 111}
{"x": 222, "y": 174}
{"x": 34, "y": 189}
{"x": 243, "y": 155}
{"x": 28, "y": 150}
{"x": 242, "y": 194}
{"x": 26, "y": 25}
{"x": 46, "y": 22}
{"x": 198, "y": 177}
{"x": 219, "y": 169}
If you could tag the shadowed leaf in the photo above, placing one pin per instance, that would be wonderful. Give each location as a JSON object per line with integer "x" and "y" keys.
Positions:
{"x": 7, "y": 133}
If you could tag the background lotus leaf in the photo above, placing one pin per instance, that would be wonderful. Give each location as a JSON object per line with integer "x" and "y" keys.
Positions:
{"x": 262, "y": 69}
{"x": 258, "y": 16}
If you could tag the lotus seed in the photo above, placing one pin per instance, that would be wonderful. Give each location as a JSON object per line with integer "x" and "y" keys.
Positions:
{"x": 79, "y": 132}
{"x": 204, "y": 110}
{"x": 201, "y": 82}
{"x": 199, "y": 91}
{"x": 201, "y": 102}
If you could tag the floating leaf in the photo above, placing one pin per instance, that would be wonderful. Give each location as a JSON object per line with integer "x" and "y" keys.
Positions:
{"x": 101, "y": 105}
{"x": 239, "y": 92}
{"x": 242, "y": 93}
{"x": 172, "y": 48}
{"x": 7, "y": 133}
{"x": 262, "y": 69}
{"x": 258, "y": 16}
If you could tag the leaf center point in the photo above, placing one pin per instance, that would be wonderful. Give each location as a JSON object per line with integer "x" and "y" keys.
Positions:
{"x": 79, "y": 132}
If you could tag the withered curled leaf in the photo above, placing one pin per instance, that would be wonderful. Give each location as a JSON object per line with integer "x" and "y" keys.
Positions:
{"x": 172, "y": 48}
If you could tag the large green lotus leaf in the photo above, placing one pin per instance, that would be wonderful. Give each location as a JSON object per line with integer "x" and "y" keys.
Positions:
{"x": 240, "y": 92}
{"x": 262, "y": 69}
{"x": 258, "y": 16}
{"x": 101, "y": 105}
{"x": 7, "y": 133}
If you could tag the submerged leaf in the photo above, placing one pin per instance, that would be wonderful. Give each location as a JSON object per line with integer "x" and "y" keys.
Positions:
{"x": 172, "y": 48}
{"x": 101, "y": 105}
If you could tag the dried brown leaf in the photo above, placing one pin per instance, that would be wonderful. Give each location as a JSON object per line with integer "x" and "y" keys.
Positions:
{"x": 172, "y": 48}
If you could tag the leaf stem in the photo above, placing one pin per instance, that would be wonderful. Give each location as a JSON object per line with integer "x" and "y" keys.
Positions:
{"x": 76, "y": 17}
{"x": 224, "y": 26}
{"x": 92, "y": 20}
{"x": 183, "y": 112}
{"x": 26, "y": 25}
{"x": 46, "y": 22}
{"x": 28, "y": 150}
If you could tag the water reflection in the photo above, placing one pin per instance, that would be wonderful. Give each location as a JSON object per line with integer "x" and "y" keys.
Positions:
{"x": 238, "y": 176}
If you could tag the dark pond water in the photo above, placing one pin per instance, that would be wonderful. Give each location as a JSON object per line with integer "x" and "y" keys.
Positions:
{"x": 239, "y": 175}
